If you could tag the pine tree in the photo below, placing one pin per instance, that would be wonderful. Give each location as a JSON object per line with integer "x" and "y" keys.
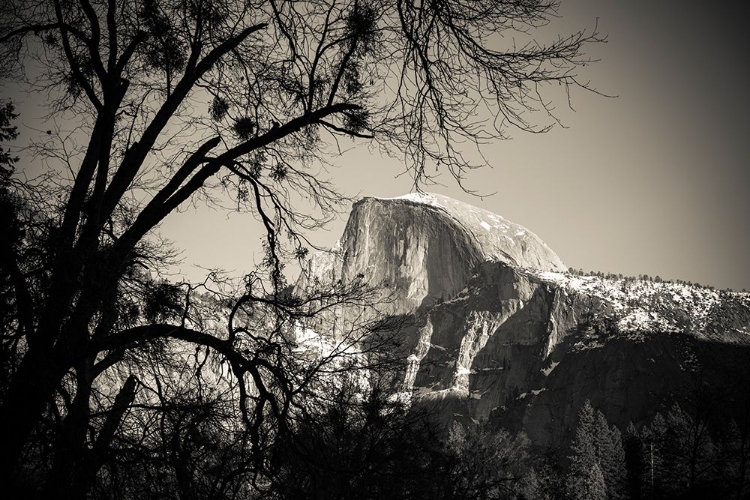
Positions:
{"x": 581, "y": 481}
{"x": 589, "y": 485}
{"x": 615, "y": 465}
{"x": 635, "y": 462}
{"x": 654, "y": 476}
{"x": 597, "y": 467}
{"x": 734, "y": 454}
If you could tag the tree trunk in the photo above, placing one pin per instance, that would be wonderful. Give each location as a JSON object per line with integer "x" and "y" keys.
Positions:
{"x": 70, "y": 449}
{"x": 94, "y": 459}
{"x": 31, "y": 389}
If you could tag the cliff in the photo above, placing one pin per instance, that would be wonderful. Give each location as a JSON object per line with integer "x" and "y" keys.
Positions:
{"x": 425, "y": 247}
{"x": 498, "y": 329}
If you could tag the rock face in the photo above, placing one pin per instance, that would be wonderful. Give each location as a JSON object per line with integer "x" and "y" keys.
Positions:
{"x": 426, "y": 247}
{"x": 500, "y": 331}
{"x": 525, "y": 351}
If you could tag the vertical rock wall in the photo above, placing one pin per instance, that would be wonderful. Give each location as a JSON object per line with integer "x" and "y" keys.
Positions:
{"x": 414, "y": 250}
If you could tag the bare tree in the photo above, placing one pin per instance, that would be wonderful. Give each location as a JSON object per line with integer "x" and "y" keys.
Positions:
{"x": 179, "y": 101}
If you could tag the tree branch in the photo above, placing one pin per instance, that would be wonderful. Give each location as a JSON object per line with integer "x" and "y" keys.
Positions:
{"x": 95, "y": 41}
{"x": 24, "y": 302}
{"x": 345, "y": 131}
{"x": 135, "y": 156}
{"x": 74, "y": 67}
{"x": 36, "y": 28}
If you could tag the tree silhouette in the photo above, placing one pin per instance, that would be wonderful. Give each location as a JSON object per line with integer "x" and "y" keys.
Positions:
{"x": 189, "y": 101}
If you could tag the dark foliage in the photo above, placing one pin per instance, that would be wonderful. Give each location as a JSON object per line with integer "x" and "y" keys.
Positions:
{"x": 359, "y": 449}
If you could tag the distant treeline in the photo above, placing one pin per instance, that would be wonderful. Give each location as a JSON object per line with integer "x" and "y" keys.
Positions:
{"x": 643, "y": 277}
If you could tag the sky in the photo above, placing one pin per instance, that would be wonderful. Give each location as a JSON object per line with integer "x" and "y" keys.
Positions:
{"x": 654, "y": 181}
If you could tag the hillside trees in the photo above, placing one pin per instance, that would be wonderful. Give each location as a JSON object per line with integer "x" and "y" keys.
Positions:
{"x": 481, "y": 462}
{"x": 188, "y": 101}
{"x": 375, "y": 446}
{"x": 699, "y": 449}
{"x": 359, "y": 447}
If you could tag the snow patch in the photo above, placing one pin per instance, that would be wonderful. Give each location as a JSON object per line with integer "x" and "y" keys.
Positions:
{"x": 417, "y": 198}
{"x": 549, "y": 369}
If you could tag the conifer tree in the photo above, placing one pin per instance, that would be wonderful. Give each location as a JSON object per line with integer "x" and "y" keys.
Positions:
{"x": 736, "y": 455}
{"x": 611, "y": 456}
{"x": 580, "y": 482}
{"x": 635, "y": 462}
{"x": 586, "y": 479}
{"x": 654, "y": 475}
{"x": 587, "y": 484}
{"x": 597, "y": 450}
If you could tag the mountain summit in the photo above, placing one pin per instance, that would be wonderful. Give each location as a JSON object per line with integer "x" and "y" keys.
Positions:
{"x": 426, "y": 246}
{"x": 492, "y": 236}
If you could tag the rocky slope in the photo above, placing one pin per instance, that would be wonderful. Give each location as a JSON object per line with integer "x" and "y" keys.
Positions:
{"x": 500, "y": 331}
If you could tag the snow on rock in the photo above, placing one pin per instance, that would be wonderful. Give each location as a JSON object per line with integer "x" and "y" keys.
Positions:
{"x": 644, "y": 306}
{"x": 549, "y": 369}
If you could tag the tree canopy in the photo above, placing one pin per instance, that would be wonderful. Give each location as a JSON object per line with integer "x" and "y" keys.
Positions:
{"x": 191, "y": 101}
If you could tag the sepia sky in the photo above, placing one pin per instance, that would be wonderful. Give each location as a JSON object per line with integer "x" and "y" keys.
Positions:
{"x": 653, "y": 181}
